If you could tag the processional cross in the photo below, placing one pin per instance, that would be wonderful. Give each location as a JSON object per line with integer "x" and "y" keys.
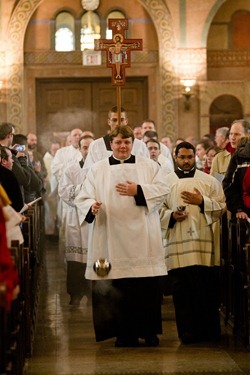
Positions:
{"x": 118, "y": 51}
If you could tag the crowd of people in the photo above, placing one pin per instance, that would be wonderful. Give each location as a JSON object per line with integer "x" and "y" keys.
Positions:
{"x": 128, "y": 209}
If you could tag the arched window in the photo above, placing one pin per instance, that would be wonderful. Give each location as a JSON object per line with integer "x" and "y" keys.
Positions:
{"x": 114, "y": 14}
{"x": 65, "y": 32}
{"x": 223, "y": 110}
{"x": 90, "y": 30}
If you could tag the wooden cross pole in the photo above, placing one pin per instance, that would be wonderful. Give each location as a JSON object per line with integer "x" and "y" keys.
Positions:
{"x": 118, "y": 52}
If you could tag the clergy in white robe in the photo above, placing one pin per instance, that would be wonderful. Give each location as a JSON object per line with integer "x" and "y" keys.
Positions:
{"x": 62, "y": 158}
{"x": 100, "y": 148}
{"x": 76, "y": 235}
{"x": 50, "y": 197}
{"x": 125, "y": 192}
{"x": 195, "y": 202}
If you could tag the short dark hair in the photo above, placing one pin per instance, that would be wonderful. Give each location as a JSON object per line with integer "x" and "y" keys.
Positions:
{"x": 125, "y": 131}
{"x": 186, "y": 145}
{"x": 3, "y": 152}
{"x": 5, "y": 129}
{"x": 20, "y": 139}
{"x": 155, "y": 141}
{"x": 150, "y": 134}
{"x": 87, "y": 136}
{"x": 115, "y": 110}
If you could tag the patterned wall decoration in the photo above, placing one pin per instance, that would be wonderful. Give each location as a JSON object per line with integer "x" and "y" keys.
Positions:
{"x": 75, "y": 57}
{"x": 14, "y": 58}
{"x": 232, "y": 58}
{"x": 15, "y": 61}
{"x": 167, "y": 56}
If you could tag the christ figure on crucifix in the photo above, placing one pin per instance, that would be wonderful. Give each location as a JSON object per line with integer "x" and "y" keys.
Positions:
{"x": 118, "y": 55}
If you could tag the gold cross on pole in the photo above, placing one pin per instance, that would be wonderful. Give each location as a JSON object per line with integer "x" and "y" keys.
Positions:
{"x": 118, "y": 53}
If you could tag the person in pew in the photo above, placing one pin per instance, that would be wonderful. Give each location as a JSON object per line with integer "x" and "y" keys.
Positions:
{"x": 8, "y": 273}
{"x": 35, "y": 157}
{"x": 76, "y": 236}
{"x": 120, "y": 197}
{"x": 35, "y": 187}
{"x": 195, "y": 201}
{"x": 235, "y": 181}
{"x": 238, "y": 129}
{"x": 8, "y": 180}
{"x": 7, "y": 132}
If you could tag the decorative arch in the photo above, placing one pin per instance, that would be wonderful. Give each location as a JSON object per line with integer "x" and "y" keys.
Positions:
{"x": 209, "y": 20}
{"x": 15, "y": 61}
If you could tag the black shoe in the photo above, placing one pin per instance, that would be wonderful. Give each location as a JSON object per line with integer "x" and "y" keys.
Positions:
{"x": 152, "y": 341}
{"x": 125, "y": 342}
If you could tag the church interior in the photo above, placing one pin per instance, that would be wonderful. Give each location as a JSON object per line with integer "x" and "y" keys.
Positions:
{"x": 190, "y": 76}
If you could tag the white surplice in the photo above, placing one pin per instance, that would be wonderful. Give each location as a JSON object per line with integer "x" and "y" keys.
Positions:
{"x": 191, "y": 242}
{"x": 76, "y": 235}
{"x": 129, "y": 236}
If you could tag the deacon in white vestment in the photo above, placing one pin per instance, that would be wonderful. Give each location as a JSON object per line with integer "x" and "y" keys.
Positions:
{"x": 122, "y": 195}
{"x": 76, "y": 235}
{"x": 195, "y": 202}
{"x": 100, "y": 148}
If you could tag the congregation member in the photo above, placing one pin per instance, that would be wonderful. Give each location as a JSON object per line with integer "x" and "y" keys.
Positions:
{"x": 35, "y": 187}
{"x": 120, "y": 199}
{"x": 7, "y": 132}
{"x": 201, "y": 149}
{"x": 236, "y": 179}
{"x": 238, "y": 129}
{"x": 8, "y": 180}
{"x": 209, "y": 156}
{"x": 100, "y": 148}
{"x": 221, "y": 137}
{"x": 8, "y": 274}
{"x": 195, "y": 201}
{"x": 35, "y": 157}
{"x": 76, "y": 236}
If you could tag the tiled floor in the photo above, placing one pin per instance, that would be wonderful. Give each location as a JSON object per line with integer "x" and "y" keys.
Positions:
{"x": 64, "y": 341}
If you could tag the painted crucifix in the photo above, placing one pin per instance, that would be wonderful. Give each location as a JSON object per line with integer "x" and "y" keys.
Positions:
{"x": 118, "y": 50}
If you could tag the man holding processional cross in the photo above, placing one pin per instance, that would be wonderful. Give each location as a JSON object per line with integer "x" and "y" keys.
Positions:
{"x": 120, "y": 199}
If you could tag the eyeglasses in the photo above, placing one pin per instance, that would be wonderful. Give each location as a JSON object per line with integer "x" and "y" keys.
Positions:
{"x": 116, "y": 119}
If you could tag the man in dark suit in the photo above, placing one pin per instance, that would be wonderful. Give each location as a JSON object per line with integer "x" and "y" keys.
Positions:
{"x": 8, "y": 180}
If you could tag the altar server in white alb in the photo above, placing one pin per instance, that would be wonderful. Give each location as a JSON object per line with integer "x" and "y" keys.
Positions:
{"x": 76, "y": 236}
{"x": 101, "y": 149}
{"x": 196, "y": 200}
{"x": 121, "y": 196}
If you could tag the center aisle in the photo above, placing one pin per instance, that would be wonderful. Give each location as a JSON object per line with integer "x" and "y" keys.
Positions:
{"x": 64, "y": 341}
